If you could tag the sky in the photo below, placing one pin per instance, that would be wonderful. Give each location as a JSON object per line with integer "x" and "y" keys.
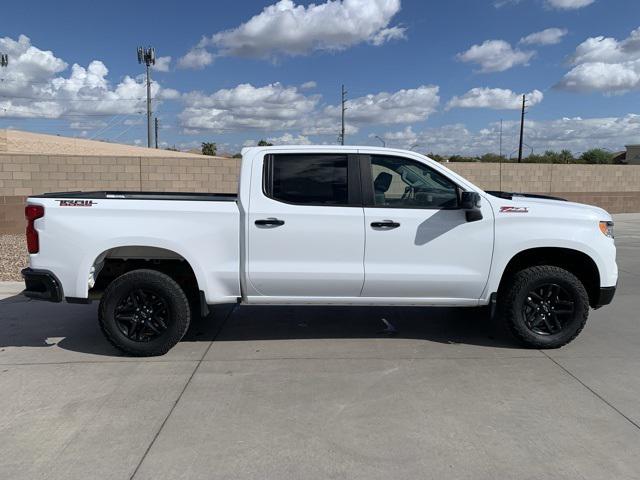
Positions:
{"x": 430, "y": 75}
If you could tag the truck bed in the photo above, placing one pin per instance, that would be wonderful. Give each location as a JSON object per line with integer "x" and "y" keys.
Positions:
{"x": 129, "y": 195}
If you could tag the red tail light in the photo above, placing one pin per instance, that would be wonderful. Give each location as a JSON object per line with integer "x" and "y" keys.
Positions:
{"x": 33, "y": 212}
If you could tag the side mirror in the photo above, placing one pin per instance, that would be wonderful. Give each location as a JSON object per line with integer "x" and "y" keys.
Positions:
{"x": 470, "y": 201}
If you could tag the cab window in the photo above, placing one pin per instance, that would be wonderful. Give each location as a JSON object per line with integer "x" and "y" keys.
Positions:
{"x": 301, "y": 179}
{"x": 403, "y": 183}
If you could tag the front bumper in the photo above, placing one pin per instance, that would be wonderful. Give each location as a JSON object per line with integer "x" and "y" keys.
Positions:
{"x": 605, "y": 296}
{"x": 41, "y": 285}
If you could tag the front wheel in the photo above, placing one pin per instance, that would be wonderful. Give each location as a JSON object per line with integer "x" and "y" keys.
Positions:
{"x": 544, "y": 306}
{"x": 144, "y": 313}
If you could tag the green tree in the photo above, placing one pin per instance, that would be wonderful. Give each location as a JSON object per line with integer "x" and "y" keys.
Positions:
{"x": 209, "y": 148}
{"x": 596, "y": 156}
{"x": 436, "y": 157}
{"x": 566, "y": 156}
{"x": 491, "y": 158}
{"x": 460, "y": 158}
{"x": 264, "y": 143}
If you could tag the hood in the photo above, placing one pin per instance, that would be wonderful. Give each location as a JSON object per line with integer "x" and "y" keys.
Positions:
{"x": 558, "y": 205}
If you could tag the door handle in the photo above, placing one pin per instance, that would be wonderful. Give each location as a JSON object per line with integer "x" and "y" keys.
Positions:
{"x": 386, "y": 224}
{"x": 269, "y": 222}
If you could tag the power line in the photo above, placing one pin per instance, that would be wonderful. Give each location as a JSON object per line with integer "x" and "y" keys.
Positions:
{"x": 53, "y": 99}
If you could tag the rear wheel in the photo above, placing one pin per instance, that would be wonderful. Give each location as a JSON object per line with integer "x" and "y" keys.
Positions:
{"x": 144, "y": 313}
{"x": 544, "y": 306}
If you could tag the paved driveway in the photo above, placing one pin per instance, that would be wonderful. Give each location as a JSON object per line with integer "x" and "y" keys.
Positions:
{"x": 309, "y": 393}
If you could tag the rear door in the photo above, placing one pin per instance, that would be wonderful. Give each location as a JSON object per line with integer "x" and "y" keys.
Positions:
{"x": 306, "y": 227}
{"x": 419, "y": 243}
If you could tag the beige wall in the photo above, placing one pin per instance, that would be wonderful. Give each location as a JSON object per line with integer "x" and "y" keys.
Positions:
{"x": 22, "y": 175}
{"x": 549, "y": 178}
{"x": 613, "y": 187}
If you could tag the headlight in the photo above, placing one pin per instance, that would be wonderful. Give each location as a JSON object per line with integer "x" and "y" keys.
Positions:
{"x": 607, "y": 228}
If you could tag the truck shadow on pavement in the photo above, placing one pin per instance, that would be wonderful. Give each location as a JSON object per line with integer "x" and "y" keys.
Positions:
{"x": 25, "y": 323}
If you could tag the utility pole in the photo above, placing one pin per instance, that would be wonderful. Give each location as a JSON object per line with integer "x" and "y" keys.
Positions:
{"x": 500, "y": 139}
{"x": 156, "y": 125}
{"x": 148, "y": 57}
{"x": 524, "y": 105}
{"x": 344, "y": 101}
{"x": 4, "y": 60}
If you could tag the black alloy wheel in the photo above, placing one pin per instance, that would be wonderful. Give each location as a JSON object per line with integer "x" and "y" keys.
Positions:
{"x": 544, "y": 306}
{"x": 142, "y": 315}
{"x": 548, "y": 309}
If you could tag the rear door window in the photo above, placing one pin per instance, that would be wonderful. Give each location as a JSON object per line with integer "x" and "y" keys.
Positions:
{"x": 317, "y": 179}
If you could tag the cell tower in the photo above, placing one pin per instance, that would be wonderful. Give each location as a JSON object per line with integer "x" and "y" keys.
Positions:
{"x": 147, "y": 55}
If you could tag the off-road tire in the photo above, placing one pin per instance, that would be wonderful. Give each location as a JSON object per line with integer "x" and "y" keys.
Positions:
{"x": 163, "y": 286}
{"x": 513, "y": 295}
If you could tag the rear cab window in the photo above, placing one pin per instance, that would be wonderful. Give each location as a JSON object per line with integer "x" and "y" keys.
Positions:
{"x": 310, "y": 179}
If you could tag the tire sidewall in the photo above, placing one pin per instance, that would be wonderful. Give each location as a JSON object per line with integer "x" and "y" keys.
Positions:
{"x": 163, "y": 286}
{"x": 533, "y": 278}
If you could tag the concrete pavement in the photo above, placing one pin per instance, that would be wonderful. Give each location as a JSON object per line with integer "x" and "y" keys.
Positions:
{"x": 304, "y": 392}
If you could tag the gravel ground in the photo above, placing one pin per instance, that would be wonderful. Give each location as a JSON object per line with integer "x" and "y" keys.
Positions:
{"x": 13, "y": 257}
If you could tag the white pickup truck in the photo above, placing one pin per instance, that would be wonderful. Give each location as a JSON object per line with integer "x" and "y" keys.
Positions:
{"x": 322, "y": 225}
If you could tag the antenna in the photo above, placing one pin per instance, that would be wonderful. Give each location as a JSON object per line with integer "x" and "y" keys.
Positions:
{"x": 4, "y": 60}
{"x": 147, "y": 55}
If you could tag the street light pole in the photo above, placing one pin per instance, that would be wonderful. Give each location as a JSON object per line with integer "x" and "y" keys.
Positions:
{"x": 148, "y": 57}
{"x": 384, "y": 144}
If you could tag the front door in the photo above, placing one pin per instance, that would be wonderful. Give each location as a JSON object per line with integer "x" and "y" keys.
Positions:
{"x": 305, "y": 227}
{"x": 419, "y": 244}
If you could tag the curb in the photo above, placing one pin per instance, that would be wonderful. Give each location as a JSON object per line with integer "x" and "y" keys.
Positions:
{"x": 8, "y": 289}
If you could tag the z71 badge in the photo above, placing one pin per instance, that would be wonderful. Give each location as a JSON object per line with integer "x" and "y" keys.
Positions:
{"x": 514, "y": 210}
{"x": 77, "y": 203}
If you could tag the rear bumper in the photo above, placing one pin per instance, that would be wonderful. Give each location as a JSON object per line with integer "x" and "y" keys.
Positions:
{"x": 41, "y": 285}
{"x": 606, "y": 296}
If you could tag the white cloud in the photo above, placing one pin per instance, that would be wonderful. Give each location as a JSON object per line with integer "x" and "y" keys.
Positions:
{"x": 276, "y": 107}
{"x": 308, "y": 85}
{"x": 289, "y": 139}
{"x": 162, "y": 64}
{"x": 272, "y": 107}
{"x": 549, "y": 36}
{"x": 605, "y": 64}
{"x": 576, "y": 134}
{"x": 196, "y": 58}
{"x": 285, "y": 28}
{"x": 495, "y": 56}
{"x": 557, "y": 4}
{"x": 569, "y": 4}
{"x": 33, "y": 87}
{"x": 403, "y": 106}
{"x": 494, "y": 98}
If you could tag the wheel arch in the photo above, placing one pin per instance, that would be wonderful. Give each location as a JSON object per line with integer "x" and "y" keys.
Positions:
{"x": 575, "y": 261}
{"x": 113, "y": 262}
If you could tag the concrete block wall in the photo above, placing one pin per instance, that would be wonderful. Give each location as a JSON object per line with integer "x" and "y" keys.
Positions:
{"x": 22, "y": 175}
{"x": 613, "y": 187}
